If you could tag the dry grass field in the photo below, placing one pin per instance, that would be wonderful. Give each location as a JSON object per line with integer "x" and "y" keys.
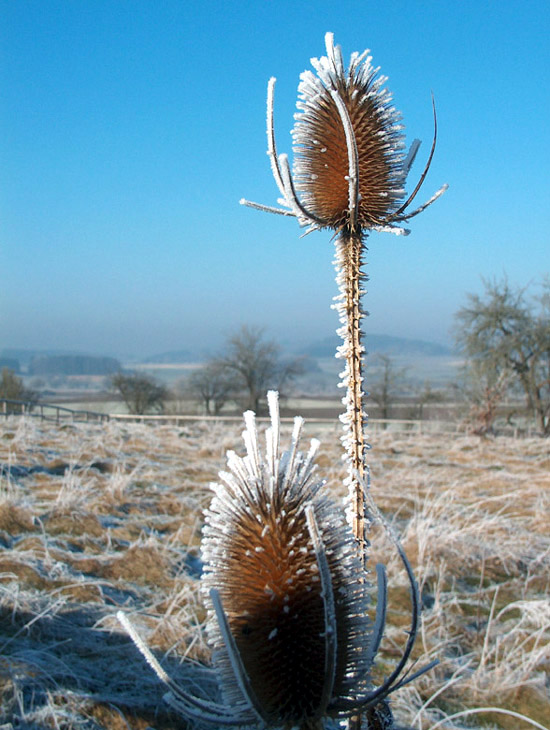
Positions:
{"x": 96, "y": 518}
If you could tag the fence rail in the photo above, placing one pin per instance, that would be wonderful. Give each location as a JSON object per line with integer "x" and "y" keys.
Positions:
{"x": 59, "y": 414}
{"x": 47, "y": 411}
{"x": 375, "y": 424}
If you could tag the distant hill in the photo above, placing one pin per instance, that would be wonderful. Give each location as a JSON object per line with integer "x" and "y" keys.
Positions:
{"x": 166, "y": 358}
{"x": 22, "y": 356}
{"x": 73, "y": 365}
{"x": 26, "y": 356}
{"x": 10, "y": 363}
{"x": 385, "y": 344}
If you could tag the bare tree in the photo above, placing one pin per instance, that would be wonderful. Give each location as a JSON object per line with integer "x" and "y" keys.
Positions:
{"x": 426, "y": 396}
{"x": 383, "y": 389}
{"x": 485, "y": 396}
{"x": 140, "y": 392}
{"x": 253, "y": 366}
{"x": 212, "y": 385}
{"x": 507, "y": 336}
{"x": 12, "y": 387}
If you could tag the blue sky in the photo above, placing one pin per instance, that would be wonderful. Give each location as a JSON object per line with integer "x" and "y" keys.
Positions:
{"x": 130, "y": 130}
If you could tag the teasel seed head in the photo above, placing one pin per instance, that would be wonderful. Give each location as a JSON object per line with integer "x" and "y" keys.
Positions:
{"x": 349, "y": 163}
{"x": 281, "y": 558}
{"x": 287, "y": 601}
{"x": 338, "y": 107}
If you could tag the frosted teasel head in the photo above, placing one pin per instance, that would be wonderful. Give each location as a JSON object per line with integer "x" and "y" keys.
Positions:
{"x": 278, "y": 558}
{"x": 350, "y": 167}
{"x": 292, "y": 645}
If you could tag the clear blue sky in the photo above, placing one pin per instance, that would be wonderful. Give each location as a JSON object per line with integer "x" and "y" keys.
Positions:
{"x": 129, "y": 130}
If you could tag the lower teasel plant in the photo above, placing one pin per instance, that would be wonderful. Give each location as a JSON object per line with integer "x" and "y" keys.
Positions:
{"x": 285, "y": 580}
{"x": 292, "y": 643}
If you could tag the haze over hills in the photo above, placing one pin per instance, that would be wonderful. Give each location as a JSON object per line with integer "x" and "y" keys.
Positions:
{"x": 422, "y": 360}
{"x": 419, "y": 361}
{"x": 386, "y": 344}
{"x": 173, "y": 356}
{"x": 25, "y": 356}
{"x": 325, "y": 348}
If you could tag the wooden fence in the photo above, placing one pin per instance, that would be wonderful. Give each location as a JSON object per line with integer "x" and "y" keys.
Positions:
{"x": 375, "y": 424}
{"x": 60, "y": 414}
{"x": 47, "y": 411}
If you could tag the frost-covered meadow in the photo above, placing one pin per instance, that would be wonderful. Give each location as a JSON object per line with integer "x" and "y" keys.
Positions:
{"x": 95, "y": 518}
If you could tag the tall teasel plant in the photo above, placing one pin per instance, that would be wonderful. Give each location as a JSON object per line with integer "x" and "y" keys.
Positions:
{"x": 284, "y": 580}
{"x": 349, "y": 176}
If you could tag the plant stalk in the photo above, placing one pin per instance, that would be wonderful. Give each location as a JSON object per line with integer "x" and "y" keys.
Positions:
{"x": 350, "y": 248}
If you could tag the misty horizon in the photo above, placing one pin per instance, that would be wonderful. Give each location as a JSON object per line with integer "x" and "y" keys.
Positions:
{"x": 327, "y": 344}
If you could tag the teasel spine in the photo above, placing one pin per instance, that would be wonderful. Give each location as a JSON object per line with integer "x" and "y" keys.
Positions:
{"x": 350, "y": 170}
{"x": 348, "y": 165}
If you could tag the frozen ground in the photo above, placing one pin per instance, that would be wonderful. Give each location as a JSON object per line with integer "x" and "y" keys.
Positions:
{"x": 100, "y": 517}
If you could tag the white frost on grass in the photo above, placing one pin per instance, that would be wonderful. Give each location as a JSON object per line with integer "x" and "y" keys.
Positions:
{"x": 473, "y": 516}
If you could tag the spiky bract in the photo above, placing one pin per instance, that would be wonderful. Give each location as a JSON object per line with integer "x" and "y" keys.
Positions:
{"x": 321, "y": 147}
{"x": 261, "y": 558}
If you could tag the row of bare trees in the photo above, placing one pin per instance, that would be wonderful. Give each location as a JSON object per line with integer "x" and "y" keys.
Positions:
{"x": 503, "y": 335}
{"x": 248, "y": 367}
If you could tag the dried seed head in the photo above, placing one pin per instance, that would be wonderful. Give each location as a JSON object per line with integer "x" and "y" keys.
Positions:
{"x": 287, "y": 600}
{"x": 322, "y": 144}
{"x": 283, "y": 612}
{"x": 349, "y": 165}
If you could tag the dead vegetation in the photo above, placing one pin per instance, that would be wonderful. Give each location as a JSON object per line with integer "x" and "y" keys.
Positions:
{"x": 95, "y": 518}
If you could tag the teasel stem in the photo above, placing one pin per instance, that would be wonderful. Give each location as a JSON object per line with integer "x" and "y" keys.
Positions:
{"x": 350, "y": 248}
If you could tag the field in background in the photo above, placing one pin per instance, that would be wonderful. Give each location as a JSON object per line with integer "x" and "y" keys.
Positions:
{"x": 100, "y": 517}
{"x": 319, "y": 379}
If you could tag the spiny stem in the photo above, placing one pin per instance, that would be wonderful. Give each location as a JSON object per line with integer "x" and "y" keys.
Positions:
{"x": 350, "y": 247}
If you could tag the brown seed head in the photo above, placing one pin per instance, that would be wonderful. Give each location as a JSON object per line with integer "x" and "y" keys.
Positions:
{"x": 322, "y": 145}
{"x": 261, "y": 559}
{"x": 349, "y": 166}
